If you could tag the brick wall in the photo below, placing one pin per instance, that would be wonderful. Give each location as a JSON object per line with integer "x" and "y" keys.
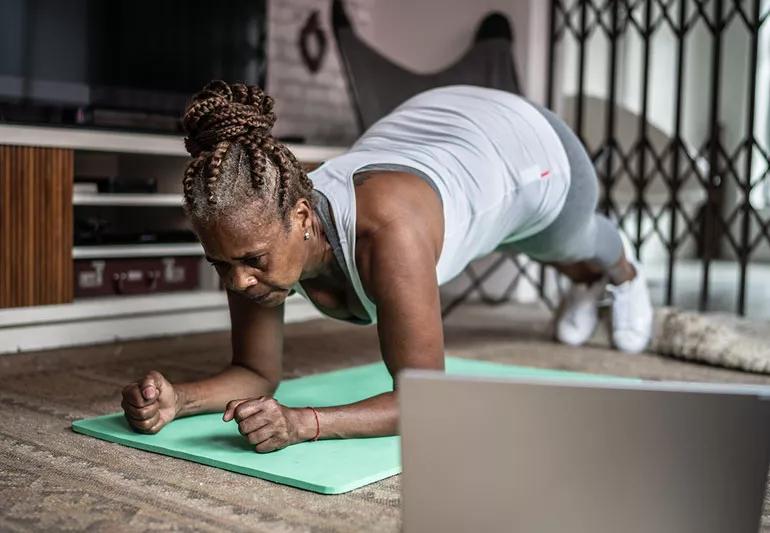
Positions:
{"x": 315, "y": 106}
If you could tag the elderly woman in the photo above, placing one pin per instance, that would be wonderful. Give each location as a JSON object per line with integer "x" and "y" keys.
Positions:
{"x": 449, "y": 176}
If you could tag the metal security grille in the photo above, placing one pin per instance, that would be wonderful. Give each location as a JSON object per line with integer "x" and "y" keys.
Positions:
{"x": 672, "y": 100}
{"x": 708, "y": 164}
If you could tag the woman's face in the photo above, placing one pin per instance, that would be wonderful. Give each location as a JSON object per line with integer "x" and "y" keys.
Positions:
{"x": 260, "y": 260}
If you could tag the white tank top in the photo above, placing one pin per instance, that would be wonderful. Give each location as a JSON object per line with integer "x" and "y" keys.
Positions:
{"x": 497, "y": 163}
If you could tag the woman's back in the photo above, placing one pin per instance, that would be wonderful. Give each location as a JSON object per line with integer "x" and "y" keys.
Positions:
{"x": 497, "y": 164}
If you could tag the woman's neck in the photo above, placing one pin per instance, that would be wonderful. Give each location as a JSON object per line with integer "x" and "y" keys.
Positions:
{"x": 321, "y": 261}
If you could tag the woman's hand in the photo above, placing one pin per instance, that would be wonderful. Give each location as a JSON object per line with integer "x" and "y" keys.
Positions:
{"x": 150, "y": 403}
{"x": 267, "y": 424}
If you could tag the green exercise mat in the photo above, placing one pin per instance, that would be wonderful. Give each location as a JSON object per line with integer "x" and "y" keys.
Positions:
{"x": 328, "y": 466}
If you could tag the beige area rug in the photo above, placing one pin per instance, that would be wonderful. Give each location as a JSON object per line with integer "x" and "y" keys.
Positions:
{"x": 713, "y": 338}
{"x": 52, "y": 479}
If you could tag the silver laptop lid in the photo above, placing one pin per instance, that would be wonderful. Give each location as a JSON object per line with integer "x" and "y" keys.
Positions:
{"x": 531, "y": 455}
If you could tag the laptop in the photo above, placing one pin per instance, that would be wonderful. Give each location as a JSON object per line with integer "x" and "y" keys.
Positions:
{"x": 550, "y": 455}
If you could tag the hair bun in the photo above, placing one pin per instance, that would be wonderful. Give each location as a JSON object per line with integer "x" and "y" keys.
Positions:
{"x": 227, "y": 112}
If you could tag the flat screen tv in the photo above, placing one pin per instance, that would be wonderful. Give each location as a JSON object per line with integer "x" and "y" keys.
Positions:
{"x": 123, "y": 63}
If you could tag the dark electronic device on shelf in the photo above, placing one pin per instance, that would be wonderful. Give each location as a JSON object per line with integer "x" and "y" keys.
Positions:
{"x": 128, "y": 185}
{"x": 92, "y": 229}
{"x": 120, "y": 184}
{"x": 130, "y": 64}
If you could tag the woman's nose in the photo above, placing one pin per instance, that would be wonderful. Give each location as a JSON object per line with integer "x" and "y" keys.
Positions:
{"x": 243, "y": 279}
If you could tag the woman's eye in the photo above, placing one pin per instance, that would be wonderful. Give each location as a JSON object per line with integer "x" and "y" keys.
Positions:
{"x": 255, "y": 262}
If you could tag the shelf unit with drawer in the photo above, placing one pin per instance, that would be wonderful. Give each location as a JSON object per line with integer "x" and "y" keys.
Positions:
{"x": 37, "y": 306}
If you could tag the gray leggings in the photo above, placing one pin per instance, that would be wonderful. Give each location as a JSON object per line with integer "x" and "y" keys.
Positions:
{"x": 578, "y": 233}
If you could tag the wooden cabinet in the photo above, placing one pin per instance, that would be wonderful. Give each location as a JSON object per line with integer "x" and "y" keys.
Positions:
{"x": 35, "y": 225}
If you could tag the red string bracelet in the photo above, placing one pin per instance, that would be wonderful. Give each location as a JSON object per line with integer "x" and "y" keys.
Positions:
{"x": 317, "y": 424}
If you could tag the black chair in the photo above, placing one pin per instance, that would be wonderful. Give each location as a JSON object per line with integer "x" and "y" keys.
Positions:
{"x": 377, "y": 86}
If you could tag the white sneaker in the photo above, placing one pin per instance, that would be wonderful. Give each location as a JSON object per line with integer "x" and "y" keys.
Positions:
{"x": 632, "y": 313}
{"x": 578, "y": 313}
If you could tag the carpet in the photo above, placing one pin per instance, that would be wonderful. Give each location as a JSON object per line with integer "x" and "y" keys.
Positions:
{"x": 52, "y": 479}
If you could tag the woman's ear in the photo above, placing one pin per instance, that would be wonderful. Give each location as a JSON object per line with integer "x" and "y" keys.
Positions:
{"x": 303, "y": 215}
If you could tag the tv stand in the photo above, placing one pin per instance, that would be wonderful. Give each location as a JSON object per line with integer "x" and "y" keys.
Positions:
{"x": 37, "y": 308}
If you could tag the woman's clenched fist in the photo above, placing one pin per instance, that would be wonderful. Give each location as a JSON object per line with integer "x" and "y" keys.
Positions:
{"x": 150, "y": 403}
{"x": 265, "y": 423}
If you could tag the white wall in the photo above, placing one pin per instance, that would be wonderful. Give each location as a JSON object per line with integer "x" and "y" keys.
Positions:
{"x": 429, "y": 35}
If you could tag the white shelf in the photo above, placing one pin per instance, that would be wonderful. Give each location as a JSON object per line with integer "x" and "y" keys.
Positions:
{"x": 152, "y": 199}
{"x": 111, "y": 306}
{"x": 136, "y": 250}
{"x": 114, "y": 318}
{"x": 126, "y": 142}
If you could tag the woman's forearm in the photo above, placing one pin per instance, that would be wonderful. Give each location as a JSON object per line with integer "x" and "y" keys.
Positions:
{"x": 373, "y": 417}
{"x": 212, "y": 394}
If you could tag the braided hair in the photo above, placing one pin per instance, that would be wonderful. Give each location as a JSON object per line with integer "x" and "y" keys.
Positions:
{"x": 236, "y": 160}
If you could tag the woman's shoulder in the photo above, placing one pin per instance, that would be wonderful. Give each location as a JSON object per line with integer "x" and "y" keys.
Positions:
{"x": 387, "y": 198}
{"x": 393, "y": 207}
